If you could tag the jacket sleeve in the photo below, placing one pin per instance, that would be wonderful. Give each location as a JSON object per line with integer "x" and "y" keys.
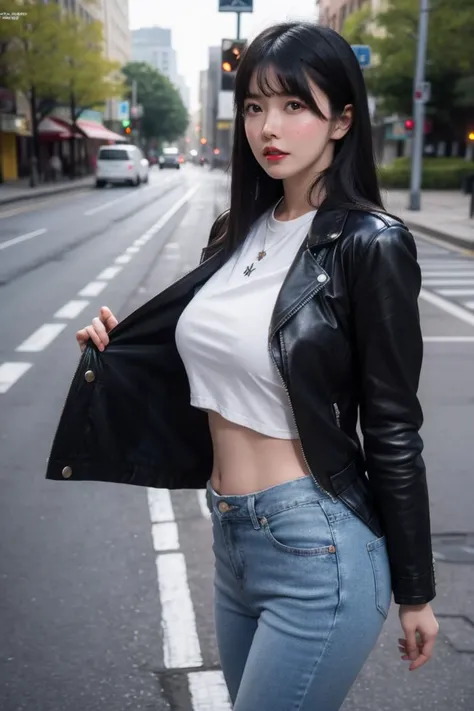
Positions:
{"x": 390, "y": 352}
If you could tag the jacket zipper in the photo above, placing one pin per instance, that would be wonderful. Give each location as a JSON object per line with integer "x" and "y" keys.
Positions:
{"x": 296, "y": 426}
{"x": 297, "y": 307}
{"x": 293, "y": 311}
{"x": 337, "y": 413}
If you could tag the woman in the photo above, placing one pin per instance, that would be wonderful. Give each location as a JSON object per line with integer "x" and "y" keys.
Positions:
{"x": 249, "y": 374}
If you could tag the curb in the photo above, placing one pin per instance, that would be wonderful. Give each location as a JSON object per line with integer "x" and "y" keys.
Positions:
{"x": 437, "y": 234}
{"x": 45, "y": 193}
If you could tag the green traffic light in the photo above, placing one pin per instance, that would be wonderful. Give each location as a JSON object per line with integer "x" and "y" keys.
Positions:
{"x": 125, "y": 123}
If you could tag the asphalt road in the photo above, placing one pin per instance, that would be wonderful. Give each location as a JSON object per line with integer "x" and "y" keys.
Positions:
{"x": 105, "y": 591}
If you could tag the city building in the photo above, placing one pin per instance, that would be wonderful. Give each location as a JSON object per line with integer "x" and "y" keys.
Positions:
{"x": 333, "y": 13}
{"x": 216, "y": 133}
{"x": 153, "y": 45}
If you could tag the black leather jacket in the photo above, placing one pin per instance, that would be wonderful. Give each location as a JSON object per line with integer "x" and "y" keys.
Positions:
{"x": 345, "y": 338}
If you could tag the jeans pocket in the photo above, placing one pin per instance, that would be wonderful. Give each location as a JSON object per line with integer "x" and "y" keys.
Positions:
{"x": 382, "y": 580}
{"x": 299, "y": 530}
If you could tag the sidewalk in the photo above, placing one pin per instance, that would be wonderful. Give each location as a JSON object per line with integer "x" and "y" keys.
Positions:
{"x": 443, "y": 214}
{"x": 16, "y": 190}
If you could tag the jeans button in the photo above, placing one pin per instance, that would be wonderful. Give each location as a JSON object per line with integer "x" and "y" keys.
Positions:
{"x": 224, "y": 507}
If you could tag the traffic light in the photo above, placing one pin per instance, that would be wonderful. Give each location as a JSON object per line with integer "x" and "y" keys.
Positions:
{"x": 409, "y": 125}
{"x": 126, "y": 127}
{"x": 470, "y": 136}
{"x": 231, "y": 53}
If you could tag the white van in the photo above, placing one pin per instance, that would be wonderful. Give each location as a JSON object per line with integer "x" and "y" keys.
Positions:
{"x": 121, "y": 163}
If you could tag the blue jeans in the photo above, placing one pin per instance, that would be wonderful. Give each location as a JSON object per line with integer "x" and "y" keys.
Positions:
{"x": 302, "y": 589}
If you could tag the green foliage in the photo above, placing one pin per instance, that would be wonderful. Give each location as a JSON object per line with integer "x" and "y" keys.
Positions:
{"x": 164, "y": 115}
{"x": 392, "y": 34}
{"x": 88, "y": 77}
{"x": 437, "y": 174}
{"x": 55, "y": 56}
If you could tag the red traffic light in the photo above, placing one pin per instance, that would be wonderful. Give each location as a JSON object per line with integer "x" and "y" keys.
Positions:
{"x": 409, "y": 125}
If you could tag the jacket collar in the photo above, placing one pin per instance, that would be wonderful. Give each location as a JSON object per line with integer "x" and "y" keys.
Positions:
{"x": 327, "y": 225}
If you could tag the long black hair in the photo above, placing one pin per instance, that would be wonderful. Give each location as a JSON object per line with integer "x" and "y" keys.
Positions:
{"x": 298, "y": 52}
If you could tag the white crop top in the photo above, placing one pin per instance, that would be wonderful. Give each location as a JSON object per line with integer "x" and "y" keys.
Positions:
{"x": 222, "y": 335}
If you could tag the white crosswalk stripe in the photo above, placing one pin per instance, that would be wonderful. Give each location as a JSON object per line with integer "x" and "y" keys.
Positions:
{"x": 448, "y": 275}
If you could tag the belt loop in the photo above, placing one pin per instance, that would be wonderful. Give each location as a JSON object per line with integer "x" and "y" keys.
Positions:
{"x": 253, "y": 515}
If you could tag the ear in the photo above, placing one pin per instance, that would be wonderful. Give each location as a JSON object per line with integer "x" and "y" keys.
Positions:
{"x": 342, "y": 123}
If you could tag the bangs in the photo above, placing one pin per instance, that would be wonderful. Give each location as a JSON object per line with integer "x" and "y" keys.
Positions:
{"x": 277, "y": 74}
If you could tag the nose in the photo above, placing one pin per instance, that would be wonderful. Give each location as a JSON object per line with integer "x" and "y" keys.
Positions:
{"x": 272, "y": 125}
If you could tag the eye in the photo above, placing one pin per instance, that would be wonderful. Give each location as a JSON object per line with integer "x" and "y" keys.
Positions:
{"x": 252, "y": 109}
{"x": 295, "y": 105}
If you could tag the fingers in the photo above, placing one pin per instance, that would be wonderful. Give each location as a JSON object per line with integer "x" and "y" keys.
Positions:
{"x": 98, "y": 331}
{"x": 421, "y": 652}
{"x": 107, "y": 318}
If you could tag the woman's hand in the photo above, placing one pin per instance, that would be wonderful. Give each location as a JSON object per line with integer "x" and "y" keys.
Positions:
{"x": 421, "y": 629}
{"x": 98, "y": 330}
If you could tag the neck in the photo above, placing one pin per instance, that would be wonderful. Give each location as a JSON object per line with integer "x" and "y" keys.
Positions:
{"x": 298, "y": 196}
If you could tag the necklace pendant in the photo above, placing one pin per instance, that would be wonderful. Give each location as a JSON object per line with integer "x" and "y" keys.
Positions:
{"x": 248, "y": 271}
{"x": 261, "y": 255}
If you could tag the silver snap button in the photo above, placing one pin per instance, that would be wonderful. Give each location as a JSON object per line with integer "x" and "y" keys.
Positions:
{"x": 67, "y": 472}
{"x": 322, "y": 277}
{"x": 89, "y": 375}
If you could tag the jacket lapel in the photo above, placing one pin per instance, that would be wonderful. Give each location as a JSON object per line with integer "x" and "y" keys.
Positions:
{"x": 306, "y": 276}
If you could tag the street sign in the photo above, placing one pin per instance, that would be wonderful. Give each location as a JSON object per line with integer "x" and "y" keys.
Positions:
{"x": 235, "y": 5}
{"x": 123, "y": 110}
{"x": 423, "y": 92}
{"x": 363, "y": 53}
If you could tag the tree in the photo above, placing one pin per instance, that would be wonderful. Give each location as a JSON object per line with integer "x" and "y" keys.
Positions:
{"x": 164, "y": 115}
{"x": 55, "y": 58}
{"x": 31, "y": 60}
{"x": 392, "y": 33}
{"x": 88, "y": 77}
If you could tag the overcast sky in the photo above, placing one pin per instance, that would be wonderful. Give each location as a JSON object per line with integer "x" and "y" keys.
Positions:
{"x": 196, "y": 25}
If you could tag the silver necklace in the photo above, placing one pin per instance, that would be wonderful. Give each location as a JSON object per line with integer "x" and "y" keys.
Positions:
{"x": 250, "y": 268}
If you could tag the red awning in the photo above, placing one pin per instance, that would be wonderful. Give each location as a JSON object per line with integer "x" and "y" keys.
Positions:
{"x": 55, "y": 129}
{"x": 97, "y": 131}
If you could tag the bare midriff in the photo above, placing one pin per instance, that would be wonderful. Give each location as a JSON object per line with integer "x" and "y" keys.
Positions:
{"x": 246, "y": 461}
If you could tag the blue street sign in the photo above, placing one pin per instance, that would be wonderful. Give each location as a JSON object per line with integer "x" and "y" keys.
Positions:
{"x": 123, "y": 110}
{"x": 363, "y": 53}
{"x": 235, "y": 5}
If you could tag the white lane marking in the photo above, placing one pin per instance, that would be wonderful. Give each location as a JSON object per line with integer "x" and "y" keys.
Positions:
{"x": 123, "y": 259}
{"x": 201, "y": 495}
{"x": 10, "y": 373}
{"x": 22, "y": 238}
{"x": 456, "y": 292}
{"x": 41, "y": 338}
{"x": 109, "y": 273}
{"x": 106, "y": 205}
{"x": 168, "y": 215}
{"x": 132, "y": 250}
{"x": 208, "y": 691}
{"x": 72, "y": 309}
{"x": 444, "y": 274}
{"x": 159, "y": 503}
{"x": 448, "y": 339}
{"x": 469, "y": 304}
{"x": 468, "y": 549}
{"x": 165, "y": 536}
{"x": 140, "y": 242}
{"x": 447, "y": 247}
{"x": 450, "y": 308}
{"x": 441, "y": 264}
{"x": 94, "y": 288}
{"x": 449, "y": 282}
{"x": 180, "y": 639}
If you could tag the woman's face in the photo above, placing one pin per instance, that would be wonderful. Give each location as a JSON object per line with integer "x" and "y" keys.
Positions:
{"x": 302, "y": 140}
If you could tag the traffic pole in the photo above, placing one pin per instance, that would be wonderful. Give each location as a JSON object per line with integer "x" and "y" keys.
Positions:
{"x": 419, "y": 108}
